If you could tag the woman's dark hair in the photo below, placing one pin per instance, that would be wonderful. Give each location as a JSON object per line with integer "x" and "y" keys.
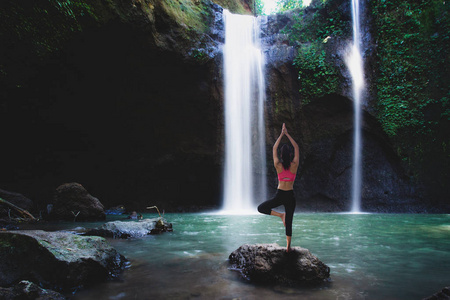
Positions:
{"x": 286, "y": 156}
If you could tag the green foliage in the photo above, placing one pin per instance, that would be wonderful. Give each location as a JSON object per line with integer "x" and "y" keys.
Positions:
{"x": 310, "y": 32}
{"x": 42, "y": 25}
{"x": 192, "y": 14}
{"x": 408, "y": 51}
{"x": 259, "y": 8}
{"x": 317, "y": 76}
{"x": 285, "y": 5}
{"x": 321, "y": 26}
{"x": 199, "y": 55}
{"x": 282, "y": 6}
{"x": 413, "y": 41}
{"x": 74, "y": 9}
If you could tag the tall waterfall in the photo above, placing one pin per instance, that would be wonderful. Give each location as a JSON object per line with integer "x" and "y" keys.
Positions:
{"x": 244, "y": 173}
{"x": 355, "y": 65}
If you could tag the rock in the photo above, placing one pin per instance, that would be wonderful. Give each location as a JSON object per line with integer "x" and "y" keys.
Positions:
{"x": 327, "y": 143}
{"x": 73, "y": 202}
{"x": 29, "y": 290}
{"x": 116, "y": 210}
{"x": 123, "y": 230}
{"x": 56, "y": 260}
{"x": 271, "y": 264}
{"x": 444, "y": 294}
{"x": 135, "y": 216}
{"x": 15, "y": 198}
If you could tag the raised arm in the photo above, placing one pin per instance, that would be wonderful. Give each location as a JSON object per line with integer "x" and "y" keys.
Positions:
{"x": 276, "y": 160}
{"x": 296, "y": 150}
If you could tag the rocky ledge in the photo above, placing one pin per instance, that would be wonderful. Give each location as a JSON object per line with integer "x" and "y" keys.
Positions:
{"x": 444, "y": 294}
{"x": 56, "y": 260}
{"x": 271, "y": 264}
{"x": 134, "y": 229}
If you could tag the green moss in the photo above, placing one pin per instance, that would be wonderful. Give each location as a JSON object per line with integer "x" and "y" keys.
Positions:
{"x": 190, "y": 13}
{"x": 317, "y": 76}
{"x": 74, "y": 9}
{"x": 412, "y": 85}
{"x": 42, "y": 26}
{"x": 324, "y": 19}
{"x": 310, "y": 32}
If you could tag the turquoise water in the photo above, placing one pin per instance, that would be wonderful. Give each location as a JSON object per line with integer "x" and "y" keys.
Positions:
{"x": 371, "y": 256}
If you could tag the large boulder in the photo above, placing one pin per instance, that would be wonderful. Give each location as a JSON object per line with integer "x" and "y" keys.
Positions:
{"x": 135, "y": 229}
{"x": 17, "y": 199}
{"x": 271, "y": 264}
{"x": 56, "y": 260}
{"x": 73, "y": 202}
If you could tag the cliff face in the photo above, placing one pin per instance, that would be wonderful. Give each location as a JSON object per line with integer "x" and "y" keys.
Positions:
{"x": 323, "y": 124}
{"x": 125, "y": 97}
{"x": 120, "y": 96}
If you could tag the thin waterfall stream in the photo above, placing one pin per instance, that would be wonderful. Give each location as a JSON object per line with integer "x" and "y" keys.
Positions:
{"x": 244, "y": 173}
{"x": 354, "y": 63}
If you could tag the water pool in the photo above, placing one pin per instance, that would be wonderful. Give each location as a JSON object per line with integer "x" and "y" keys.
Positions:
{"x": 371, "y": 256}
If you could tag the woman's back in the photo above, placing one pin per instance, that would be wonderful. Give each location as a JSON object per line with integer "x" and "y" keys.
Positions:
{"x": 286, "y": 180}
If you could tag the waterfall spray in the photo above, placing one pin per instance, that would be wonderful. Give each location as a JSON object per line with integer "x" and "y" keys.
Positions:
{"x": 244, "y": 113}
{"x": 355, "y": 65}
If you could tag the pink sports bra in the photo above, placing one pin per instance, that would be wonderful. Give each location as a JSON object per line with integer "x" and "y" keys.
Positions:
{"x": 286, "y": 175}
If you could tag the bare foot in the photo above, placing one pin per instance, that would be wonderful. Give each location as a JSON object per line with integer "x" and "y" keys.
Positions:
{"x": 283, "y": 218}
{"x": 288, "y": 249}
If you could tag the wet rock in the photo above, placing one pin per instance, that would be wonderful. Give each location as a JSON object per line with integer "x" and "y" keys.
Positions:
{"x": 116, "y": 210}
{"x": 123, "y": 230}
{"x": 56, "y": 260}
{"x": 325, "y": 181}
{"x": 444, "y": 294}
{"x": 29, "y": 290}
{"x": 135, "y": 216}
{"x": 271, "y": 264}
{"x": 15, "y": 198}
{"x": 73, "y": 202}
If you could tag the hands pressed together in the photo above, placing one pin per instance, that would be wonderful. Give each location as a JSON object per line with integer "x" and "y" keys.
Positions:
{"x": 283, "y": 129}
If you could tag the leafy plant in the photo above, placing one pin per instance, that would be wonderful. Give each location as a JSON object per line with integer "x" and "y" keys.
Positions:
{"x": 413, "y": 40}
{"x": 317, "y": 77}
{"x": 285, "y": 5}
{"x": 311, "y": 30}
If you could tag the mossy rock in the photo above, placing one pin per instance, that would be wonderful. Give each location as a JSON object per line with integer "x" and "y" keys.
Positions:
{"x": 56, "y": 260}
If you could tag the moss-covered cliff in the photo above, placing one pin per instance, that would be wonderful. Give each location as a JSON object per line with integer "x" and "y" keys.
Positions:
{"x": 405, "y": 48}
{"x": 121, "y": 95}
{"x": 412, "y": 86}
{"x": 116, "y": 95}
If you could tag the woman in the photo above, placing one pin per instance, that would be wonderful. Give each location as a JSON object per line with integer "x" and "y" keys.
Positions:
{"x": 286, "y": 170}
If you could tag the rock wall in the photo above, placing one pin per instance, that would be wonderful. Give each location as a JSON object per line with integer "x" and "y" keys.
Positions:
{"x": 125, "y": 97}
{"x": 125, "y": 101}
{"x": 324, "y": 127}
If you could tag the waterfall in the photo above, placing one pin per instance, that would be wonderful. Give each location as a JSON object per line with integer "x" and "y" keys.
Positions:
{"x": 244, "y": 172}
{"x": 355, "y": 65}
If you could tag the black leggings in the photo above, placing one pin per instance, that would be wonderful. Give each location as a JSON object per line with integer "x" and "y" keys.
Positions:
{"x": 285, "y": 198}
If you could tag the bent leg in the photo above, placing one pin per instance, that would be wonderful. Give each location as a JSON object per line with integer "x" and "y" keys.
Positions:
{"x": 266, "y": 206}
